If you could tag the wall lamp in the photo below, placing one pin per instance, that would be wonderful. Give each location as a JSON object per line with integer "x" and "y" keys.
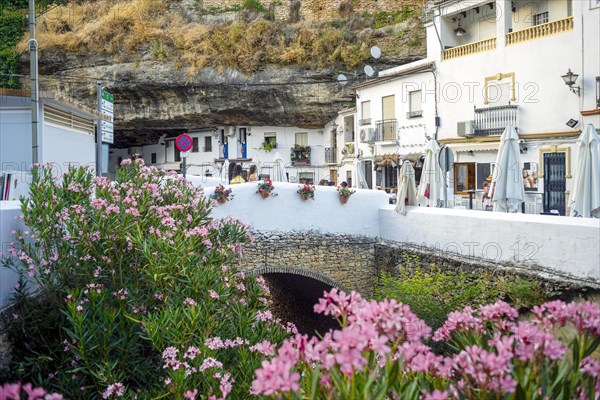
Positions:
{"x": 570, "y": 79}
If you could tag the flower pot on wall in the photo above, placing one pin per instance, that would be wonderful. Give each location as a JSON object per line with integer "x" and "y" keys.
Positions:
{"x": 265, "y": 194}
{"x": 305, "y": 196}
{"x": 222, "y": 200}
{"x": 344, "y": 199}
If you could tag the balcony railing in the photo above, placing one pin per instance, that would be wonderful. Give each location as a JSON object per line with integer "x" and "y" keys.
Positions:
{"x": 471, "y": 48}
{"x": 539, "y": 31}
{"x": 330, "y": 155}
{"x": 414, "y": 114}
{"x": 386, "y": 130}
{"x": 491, "y": 121}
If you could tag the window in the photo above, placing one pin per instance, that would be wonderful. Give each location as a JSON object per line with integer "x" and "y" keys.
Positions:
{"x": 307, "y": 177}
{"x": 271, "y": 137}
{"x": 207, "y": 143}
{"x": 302, "y": 139}
{"x": 195, "y": 145}
{"x": 388, "y": 106}
{"x": 540, "y": 18}
{"x": 415, "y": 104}
{"x": 464, "y": 177}
{"x": 365, "y": 113}
{"x": 483, "y": 171}
{"x": 349, "y": 177}
{"x": 153, "y": 158}
{"x": 242, "y": 135}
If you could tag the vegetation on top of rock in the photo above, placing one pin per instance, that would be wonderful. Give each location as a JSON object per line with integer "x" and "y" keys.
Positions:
{"x": 159, "y": 30}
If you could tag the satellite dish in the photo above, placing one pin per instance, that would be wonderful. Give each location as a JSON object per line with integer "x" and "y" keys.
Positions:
{"x": 369, "y": 71}
{"x": 375, "y": 52}
{"x": 342, "y": 80}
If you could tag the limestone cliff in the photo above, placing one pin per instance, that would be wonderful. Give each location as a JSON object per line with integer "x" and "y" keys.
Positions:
{"x": 177, "y": 65}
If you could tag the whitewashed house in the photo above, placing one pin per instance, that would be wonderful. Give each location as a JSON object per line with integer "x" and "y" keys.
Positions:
{"x": 303, "y": 151}
{"x": 490, "y": 64}
{"x": 67, "y": 133}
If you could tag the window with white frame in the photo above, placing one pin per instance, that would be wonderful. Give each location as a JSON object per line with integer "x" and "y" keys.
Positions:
{"x": 415, "y": 104}
{"x": 302, "y": 139}
{"x": 365, "y": 113}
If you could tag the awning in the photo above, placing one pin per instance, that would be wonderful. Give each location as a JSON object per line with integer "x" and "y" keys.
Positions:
{"x": 464, "y": 147}
{"x": 412, "y": 157}
{"x": 387, "y": 160}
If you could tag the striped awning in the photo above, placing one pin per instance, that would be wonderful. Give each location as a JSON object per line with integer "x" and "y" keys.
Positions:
{"x": 464, "y": 147}
{"x": 387, "y": 160}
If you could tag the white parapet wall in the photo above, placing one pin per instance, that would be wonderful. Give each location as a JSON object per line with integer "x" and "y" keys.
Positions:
{"x": 287, "y": 212}
{"x": 9, "y": 211}
{"x": 569, "y": 246}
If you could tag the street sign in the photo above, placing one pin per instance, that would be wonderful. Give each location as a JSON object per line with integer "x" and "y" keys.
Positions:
{"x": 106, "y": 124}
{"x": 184, "y": 154}
{"x": 446, "y": 159}
{"x": 183, "y": 142}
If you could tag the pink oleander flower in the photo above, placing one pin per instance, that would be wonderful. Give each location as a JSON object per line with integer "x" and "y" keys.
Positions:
{"x": 213, "y": 294}
{"x": 191, "y": 395}
{"x": 189, "y": 302}
{"x": 458, "y": 321}
{"x": 436, "y": 395}
{"x": 116, "y": 389}
{"x": 275, "y": 376}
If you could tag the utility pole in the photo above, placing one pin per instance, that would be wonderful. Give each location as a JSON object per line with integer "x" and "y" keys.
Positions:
{"x": 36, "y": 134}
{"x": 99, "y": 132}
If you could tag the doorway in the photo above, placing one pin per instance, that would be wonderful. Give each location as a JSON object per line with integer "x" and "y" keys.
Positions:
{"x": 554, "y": 182}
{"x": 368, "y": 165}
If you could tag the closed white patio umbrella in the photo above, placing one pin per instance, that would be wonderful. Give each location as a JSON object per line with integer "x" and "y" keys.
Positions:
{"x": 279, "y": 174}
{"x": 585, "y": 193}
{"x": 431, "y": 186}
{"x": 361, "y": 181}
{"x": 225, "y": 172}
{"x": 406, "y": 188}
{"x": 507, "y": 190}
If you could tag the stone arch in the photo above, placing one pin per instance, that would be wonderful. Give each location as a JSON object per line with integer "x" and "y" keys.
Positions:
{"x": 297, "y": 271}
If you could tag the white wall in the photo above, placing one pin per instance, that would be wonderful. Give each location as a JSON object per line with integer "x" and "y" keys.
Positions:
{"x": 8, "y": 278}
{"x": 288, "y": 212}
{"x": 64, "y": 147}
{"x": 563, "y": 244}
{"x": 15, "y": 140}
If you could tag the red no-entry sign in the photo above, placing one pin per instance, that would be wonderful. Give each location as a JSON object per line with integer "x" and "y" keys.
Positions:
{"x": 183, "y": 142}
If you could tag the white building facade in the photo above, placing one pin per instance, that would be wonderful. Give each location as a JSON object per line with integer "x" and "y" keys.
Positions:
{"x": 491, "y": 64}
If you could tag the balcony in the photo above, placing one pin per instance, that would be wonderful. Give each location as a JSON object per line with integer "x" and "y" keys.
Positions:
{"x": 330, "y": 155}
{"x": 386, "y": 130}
{"x": 414, "y": 114}
{"x": 540, "y": 31}
{"x": 468, "y": 49}
{"x": 491, "y": 121}
{"x": 365, "y": 121}
{"x": 300, "y": 155}
{"x": 348, "y": 151}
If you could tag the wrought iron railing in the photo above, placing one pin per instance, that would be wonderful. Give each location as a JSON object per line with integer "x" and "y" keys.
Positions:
{"x": 491, "y": 121}
{"x": 539, "y": 31}
{"x": 471, "y": 48}
{"x": 331, "y": 155}
{"x": 386, "y": 130}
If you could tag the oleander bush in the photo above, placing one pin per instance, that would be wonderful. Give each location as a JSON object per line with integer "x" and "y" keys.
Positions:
{"x": 378, "y": 353}
{"x": 127, "y": 290}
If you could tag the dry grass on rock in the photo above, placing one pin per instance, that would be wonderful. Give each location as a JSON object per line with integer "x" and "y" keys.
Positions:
{"x": 152, "y": 29}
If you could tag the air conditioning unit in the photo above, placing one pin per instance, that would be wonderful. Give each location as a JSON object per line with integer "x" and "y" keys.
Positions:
{"x": 465, "y": 129}
{"x": 367, "y": 135}
{"x": 230, "y": 131}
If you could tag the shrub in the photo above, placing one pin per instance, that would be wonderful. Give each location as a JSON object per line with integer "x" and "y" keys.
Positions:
{"x": 432, "y": 293}
{"x": 378, "y": 353}
{"x": 134, "y": 276}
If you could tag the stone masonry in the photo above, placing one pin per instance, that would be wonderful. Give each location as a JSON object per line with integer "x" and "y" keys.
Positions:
{"x": 346, "y": 262}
